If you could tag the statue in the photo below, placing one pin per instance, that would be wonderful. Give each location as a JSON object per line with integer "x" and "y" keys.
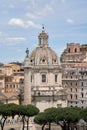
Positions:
{"x": 27, "y": 52}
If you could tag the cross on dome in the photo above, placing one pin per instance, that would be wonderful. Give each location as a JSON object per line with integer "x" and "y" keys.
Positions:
{"x": 43, "y": 27}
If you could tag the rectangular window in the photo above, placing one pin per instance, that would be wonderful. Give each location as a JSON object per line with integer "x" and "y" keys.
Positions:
{"x": 82, "y": 102}
{"x": 71, "y": 83}
{"x": 71, "y": 89}
{"x": 56, "y": 78}
{"x": 71, "y": 96}
{"x": 43, "y": 78}
{"x": 76, "y": 96}
{"x": 31, "y": 78}
{"x": 1, "y": 84}
{"x": 82, "y": 83}
{"x": 82, "y": 95}
{"x": 59, "y": 105}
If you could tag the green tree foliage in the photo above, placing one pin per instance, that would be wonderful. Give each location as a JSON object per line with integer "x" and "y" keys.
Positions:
{"x": 27, "y": 111}
{"x": 65, "y": 117}
{"x": 1, "y": 64}
{"x": 13, "y": 109}
{"x": 50, "y": 115}
{"x": 46, "y": 117}
{"x": 11, "y": 129}
{"x": 7, "y": 110}
{"x": 4, "y": 112}
{"x": 17, "y": 63}
{"x": 83, "y": 114}
{"x": 41, "y": 119}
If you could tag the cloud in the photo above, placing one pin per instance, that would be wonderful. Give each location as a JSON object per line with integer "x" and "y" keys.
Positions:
{"x": 20, "y": 23}
{"x": 62, "y": 1}
{"x": 16, "y": 22}
{"x": 70, "y": 21}
{"x": 32, "y": 16}
{"x": 41, "y": 12}
{"x": 15, "y": 40}
{"x": 45, "y": 11}
{"x": 16, "y": 49}
{"x": 11, "y": 6}
{"x": 6, "y": 40}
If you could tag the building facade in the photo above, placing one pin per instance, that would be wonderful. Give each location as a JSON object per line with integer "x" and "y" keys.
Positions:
{"x": 74, "y": 70}
{"x": 11, "y": 80}
{"x": 43, "y": 77}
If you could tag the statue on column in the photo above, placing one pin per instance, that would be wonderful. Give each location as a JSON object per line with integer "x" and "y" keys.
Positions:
{"x": 27, "y": 52}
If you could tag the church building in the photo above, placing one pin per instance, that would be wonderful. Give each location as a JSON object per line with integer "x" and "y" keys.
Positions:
{"x": 43, "y": 76}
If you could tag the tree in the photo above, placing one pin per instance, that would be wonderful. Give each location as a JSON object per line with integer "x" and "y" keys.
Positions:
{"x": 4, "y": 112}
{"x": 50, "y": 115}
{"x": 83, "y": 114}
{"x": 17, "y": 63}
{"x": 46, "y": 117}
{"x": 67, "y": 117}
{"x": 11, "y": 129}
{"x": 41, "y": 119}
{"x": 27, "y": 111}
{"x": 10, "y": 109}
{"x": 14, "y": 109}
{"x": 1, "y": 64}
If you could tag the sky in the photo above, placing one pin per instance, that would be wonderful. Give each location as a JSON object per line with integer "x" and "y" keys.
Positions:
{"x": 21, "y": 21}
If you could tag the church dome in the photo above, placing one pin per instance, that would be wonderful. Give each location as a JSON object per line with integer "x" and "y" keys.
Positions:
{"x": 43, "y": 54}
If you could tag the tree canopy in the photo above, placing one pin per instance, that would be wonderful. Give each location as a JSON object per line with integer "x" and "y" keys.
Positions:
{"x": 64, "y": 117}
{"x": 27, "y": 111}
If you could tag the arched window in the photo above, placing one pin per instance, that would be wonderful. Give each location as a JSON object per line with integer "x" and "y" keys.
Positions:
{"x": 75, "y": 49}
{"x": 71, "y": 96}
{"x": 76, "y": 96}
{"x": 82, "y": 83}
{"x": 43, "y": 78}
{"x": 31, "y": 78}
{"x": 56, "y": 78}
{"x": 69, "y": 50}
{"x": 82, "y": 95}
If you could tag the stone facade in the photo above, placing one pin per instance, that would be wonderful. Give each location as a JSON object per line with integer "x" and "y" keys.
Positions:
{"x": 74, "y": 53}
{"x": 74, "y": 70}
{"x": 43, "y": 77}
{"x": 11, "y": 80}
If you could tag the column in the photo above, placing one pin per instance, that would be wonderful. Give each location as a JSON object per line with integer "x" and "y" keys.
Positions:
{"x": 27, "y": 86}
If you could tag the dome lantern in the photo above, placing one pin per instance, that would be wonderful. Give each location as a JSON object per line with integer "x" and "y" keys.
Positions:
{"x": 43, "y": 39}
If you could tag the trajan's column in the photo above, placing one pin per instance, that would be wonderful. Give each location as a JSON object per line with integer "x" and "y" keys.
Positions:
{"x": 27, "y": 79}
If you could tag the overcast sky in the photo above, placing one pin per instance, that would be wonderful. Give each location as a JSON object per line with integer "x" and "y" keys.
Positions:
{"x": 21, "y": 21}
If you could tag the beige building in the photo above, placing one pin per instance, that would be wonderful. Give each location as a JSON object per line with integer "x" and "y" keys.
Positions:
{"x": 9, "y": 69}
{"x": 11, "y": 78}
{"x": 2, "y": 82}
{"x": 43, "y": 77}
{"x": 74, "y": 53}
{"x": 74, "y": 70}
